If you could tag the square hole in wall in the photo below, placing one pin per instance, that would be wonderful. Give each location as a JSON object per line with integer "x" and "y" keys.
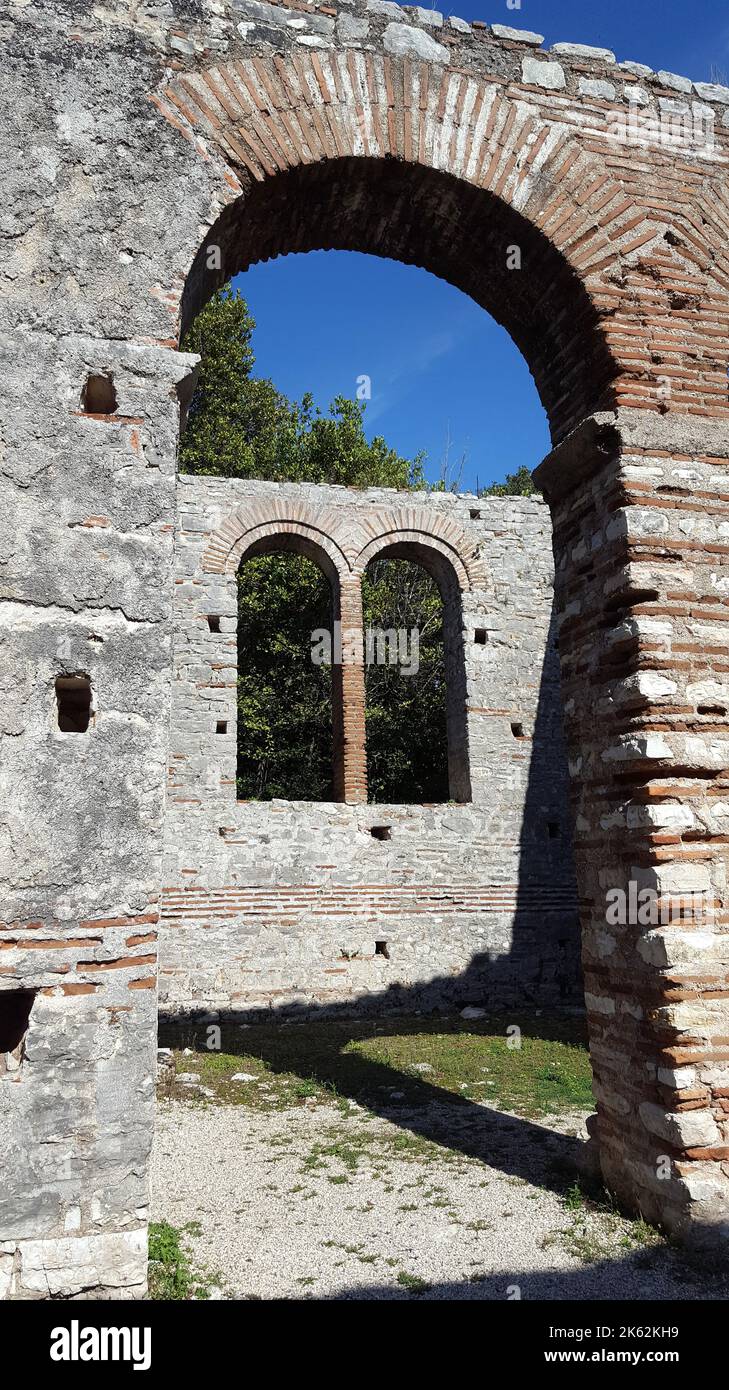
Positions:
{"x": 481, "y": 636}
{"x": 381, "y": 832}
{"x": 475, "y": 514}
{"x": 382, "y": 949}
{"x": 99, "y": 394}
{"x": 517, "y": 729}
{"x": 221, "y": 727}
{"x": 15, "y": 1007}
{"x": 213, "y": 622}
{"x": 73, "y": 699}
{"x": 553, "y": 829}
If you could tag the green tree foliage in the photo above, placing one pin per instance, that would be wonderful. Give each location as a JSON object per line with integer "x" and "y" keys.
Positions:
{"x": 519, "y": 484}
{"x": 407, "y": 752}
{"x": 240, "y": 426}
{"x": 284, "y": 699}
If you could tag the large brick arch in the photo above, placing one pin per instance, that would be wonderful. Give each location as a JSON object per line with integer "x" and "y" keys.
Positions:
{"x": 618, "y": 305}
{"x": 150, "y": 136}
{"x": 450, "y": 170}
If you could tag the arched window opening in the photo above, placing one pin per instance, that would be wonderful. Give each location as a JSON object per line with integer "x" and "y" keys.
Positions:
{"x": 414, "y": 679}
{"x": 285, "y": 738}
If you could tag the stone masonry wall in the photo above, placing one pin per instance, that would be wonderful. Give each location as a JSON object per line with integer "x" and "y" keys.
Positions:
{"x": 642, "y": 591}
{"x": 280, "y": 905}
{"x": 136, "y": 138}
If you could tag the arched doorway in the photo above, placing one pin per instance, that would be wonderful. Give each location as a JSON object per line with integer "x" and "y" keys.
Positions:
{"x": 485, "y": 233}
{"x": 443, "y": 149}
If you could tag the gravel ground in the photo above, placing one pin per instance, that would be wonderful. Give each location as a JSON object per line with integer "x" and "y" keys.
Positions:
{"x": 332, "y": 1202}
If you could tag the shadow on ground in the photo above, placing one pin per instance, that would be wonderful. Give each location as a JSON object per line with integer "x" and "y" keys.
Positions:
{"x": 645, "y": 1276}
{"x": 516, "y": 1145}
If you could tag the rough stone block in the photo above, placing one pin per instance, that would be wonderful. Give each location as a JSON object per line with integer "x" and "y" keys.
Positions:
{"x": 406, "y": 42}
{"x": 539, "y": 72}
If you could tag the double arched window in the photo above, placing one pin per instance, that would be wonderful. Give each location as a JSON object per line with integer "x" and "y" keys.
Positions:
{"x": 351, "y": 672}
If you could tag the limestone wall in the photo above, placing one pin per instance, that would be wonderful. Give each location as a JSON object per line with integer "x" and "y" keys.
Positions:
{"x": 282, "y": 904}
{"x": 133, "y": 139}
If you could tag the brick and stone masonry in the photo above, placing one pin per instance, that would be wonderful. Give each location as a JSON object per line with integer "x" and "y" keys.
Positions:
{"x": 279, "y": 906}
{"x": 147, "y": 155}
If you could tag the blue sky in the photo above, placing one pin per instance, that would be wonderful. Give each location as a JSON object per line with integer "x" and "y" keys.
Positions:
{"x": 446, "y": 379}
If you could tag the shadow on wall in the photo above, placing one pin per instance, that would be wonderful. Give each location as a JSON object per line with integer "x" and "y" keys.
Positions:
{"x": 536, "y": 958}
{"x": 546, "y": 856}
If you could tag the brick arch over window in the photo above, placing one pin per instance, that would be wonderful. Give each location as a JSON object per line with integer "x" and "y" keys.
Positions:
{"x": 296, "y": 529}
{"x": 443, "y": 547}
{"x": 267, "y": 527}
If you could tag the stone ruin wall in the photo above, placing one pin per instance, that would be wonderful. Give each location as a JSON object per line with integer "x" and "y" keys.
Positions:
{"x": 131, "y": 137}
{"x": 278, "y": 906}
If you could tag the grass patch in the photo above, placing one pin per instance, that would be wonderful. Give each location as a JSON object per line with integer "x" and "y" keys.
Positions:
{"x": 378, "y": 1063}
{"x": 349, "y": 1150}
{"x": 413, "y": 1282}
{"x": 597, "y": 1229}
{"x": 171, "y": 1276}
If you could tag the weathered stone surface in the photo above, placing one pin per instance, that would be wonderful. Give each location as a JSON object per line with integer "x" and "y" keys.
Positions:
{"x": 351, "y": 30}
{"x": 604, "y": 91}
{"x": 712, "y": 91}
{"x": 690, "y": 1128}
{"x": 59, "y": 1268}
{"x": 503, "y": 31}
{"x": 405, "y": 42}
{"x": 672, "y": 79}
{"x": 638, "y": 69}
{"x": 584, "y": 50}
{"x": 261, "y": 12}
{"x": 433, "y": 18}
{"x": 129, "y": 136}
{"x": 541, "y": 73}
{"x": 385, "y": 7}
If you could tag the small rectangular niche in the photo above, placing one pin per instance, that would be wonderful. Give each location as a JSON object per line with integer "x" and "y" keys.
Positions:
{"x": 382, "y": 949}
{"x": 475, "y": 514}
{"x": 99, "y": 395}
{"x": 15, "y": 1007}
{"x": 481, "y": 636}
{"x": 221, "y": 727}
{"x": 553, "y": 831}
{"x": 213, "y": 622}
{"x": 73, "y": 700}
{"x": 381, "y": 832}
{"x": 517, "y": 729}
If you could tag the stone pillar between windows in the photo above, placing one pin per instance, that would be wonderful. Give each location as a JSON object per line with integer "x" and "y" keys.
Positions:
{"x": 348, "y": 696}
